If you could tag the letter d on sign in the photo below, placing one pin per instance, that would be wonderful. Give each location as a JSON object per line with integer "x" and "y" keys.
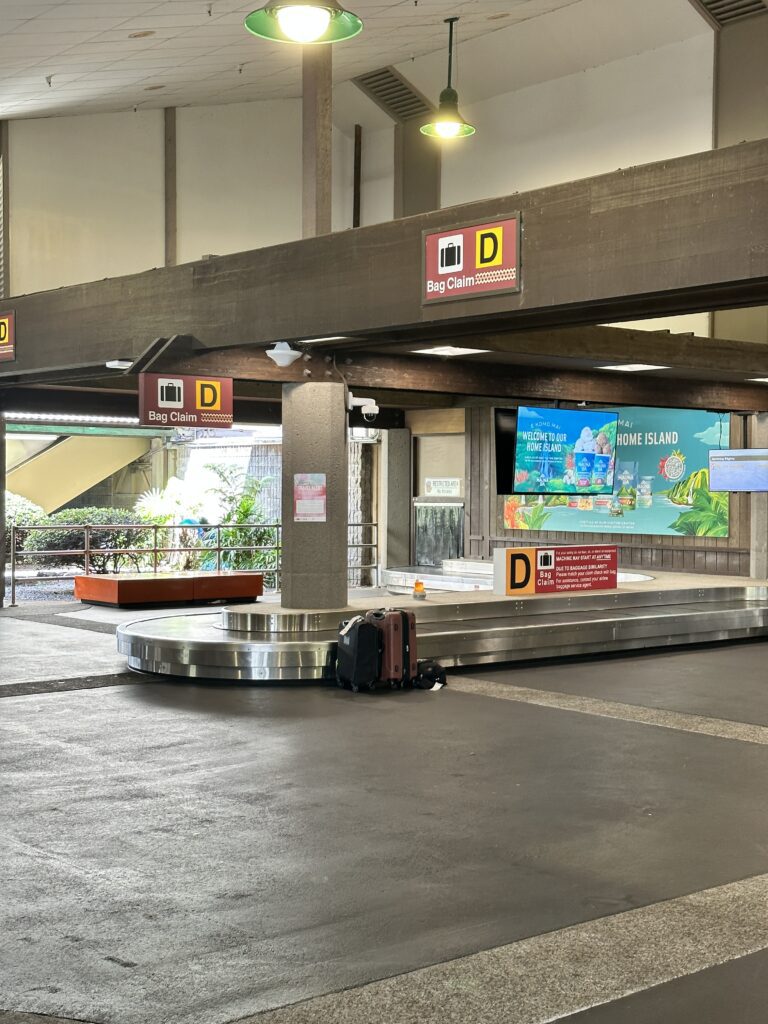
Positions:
{"x": 520, "y": 574}
{"x": 208, "y": 394}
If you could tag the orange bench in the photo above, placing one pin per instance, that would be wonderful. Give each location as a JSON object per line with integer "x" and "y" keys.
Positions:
{"x": 169, "y": 587}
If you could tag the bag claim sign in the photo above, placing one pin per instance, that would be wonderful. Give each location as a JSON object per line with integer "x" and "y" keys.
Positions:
{"x": 475, "y": 260}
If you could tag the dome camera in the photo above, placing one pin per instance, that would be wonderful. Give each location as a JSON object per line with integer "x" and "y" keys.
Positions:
{"x": 282, "y": 354}
{"x": 370, "y": 411}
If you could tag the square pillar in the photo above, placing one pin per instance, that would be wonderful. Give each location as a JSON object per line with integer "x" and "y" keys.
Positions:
{"x": 395, "y": 491}
{"x": 315, "y": 554}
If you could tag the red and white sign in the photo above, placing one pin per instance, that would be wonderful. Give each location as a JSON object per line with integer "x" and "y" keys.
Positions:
{"x": 519, "y": 572}
{"x": 310, "y": 497}
{"x": 480, "y": 259}
{"x": 166, "y": 400}
{"x": 7, "y": 336}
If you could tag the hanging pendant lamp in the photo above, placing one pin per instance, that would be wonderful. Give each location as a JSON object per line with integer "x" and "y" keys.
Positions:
{"x": 448, "y": 122}
{"x": 304, "y": 21}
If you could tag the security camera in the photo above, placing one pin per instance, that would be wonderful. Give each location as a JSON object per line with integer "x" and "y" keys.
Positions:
{"x": 367, "y": 407}
{"x": 282, "y": 354}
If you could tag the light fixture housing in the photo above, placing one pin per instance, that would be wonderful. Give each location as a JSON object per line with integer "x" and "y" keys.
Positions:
{"x": 119, "y": 364}
{"x": 448, "y": 122}
{"x": 282, "y": 354}
{"x": 632, "y": 367}
{"x": 450, "y": 351}
{"x": 304, "y": 22}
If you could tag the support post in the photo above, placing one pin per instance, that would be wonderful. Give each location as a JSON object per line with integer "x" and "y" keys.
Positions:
{"x": 315, "y": 554}
{"x": 758, "y": 512}
{"x": 171, "y": 200}
{"x": 316, "y": 140}
{"x": 396, "y": 489}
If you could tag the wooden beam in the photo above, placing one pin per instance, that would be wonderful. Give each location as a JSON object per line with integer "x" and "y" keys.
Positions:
{"x": 455, "y": 377}
{"x": 357, "y": 176}
{"x": 605, "y": 344}
{"x": 673, "y": 237}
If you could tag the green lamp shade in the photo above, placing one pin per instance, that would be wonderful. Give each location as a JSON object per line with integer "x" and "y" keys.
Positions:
{"x": 333, "y": 22}
{"x": 448, "y": 122}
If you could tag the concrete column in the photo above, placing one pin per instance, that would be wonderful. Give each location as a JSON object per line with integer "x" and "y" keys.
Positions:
{"x": 317, "y": 87}
{"x": 758, "y": 548}
{"x": 315, "y": 556}
{"x": 395, "y": 491}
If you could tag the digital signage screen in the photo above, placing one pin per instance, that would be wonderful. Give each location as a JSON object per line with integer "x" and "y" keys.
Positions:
{"x": 565, "y": 451}
{"x": 738, "y": 469}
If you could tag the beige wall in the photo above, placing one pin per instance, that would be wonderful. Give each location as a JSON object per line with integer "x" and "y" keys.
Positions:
{"x": 86, "y": 198}
{"x": 239, "y": 177}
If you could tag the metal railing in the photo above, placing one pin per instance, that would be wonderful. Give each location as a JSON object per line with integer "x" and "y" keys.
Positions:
{"x": 211, "y": 553}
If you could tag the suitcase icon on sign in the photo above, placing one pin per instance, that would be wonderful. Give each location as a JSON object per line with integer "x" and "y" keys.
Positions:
{"x": 450, "y": 251}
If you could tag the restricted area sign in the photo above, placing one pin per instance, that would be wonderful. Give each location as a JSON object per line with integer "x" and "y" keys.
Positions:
{"x": 518, "y": 572}
{"x": 480, "y": 259}
{"x": 7, "y": 336}
{"x": 166, "y": 401}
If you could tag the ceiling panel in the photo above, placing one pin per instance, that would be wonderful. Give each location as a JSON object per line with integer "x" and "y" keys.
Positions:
{"x": 87, "y": 49}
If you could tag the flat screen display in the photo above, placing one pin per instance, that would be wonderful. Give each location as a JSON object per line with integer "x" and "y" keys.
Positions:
{"x": 565, "y": 451}
{"x": 738, "y": 469}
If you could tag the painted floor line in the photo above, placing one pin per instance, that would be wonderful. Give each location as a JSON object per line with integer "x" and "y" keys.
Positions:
{"x": 548, "y": 977}
{"x": 678, "y": 720}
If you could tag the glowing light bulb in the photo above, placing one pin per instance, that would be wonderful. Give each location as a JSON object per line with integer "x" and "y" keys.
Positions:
{"x": 303, "y": 24}
{"x": 447, "y": 129}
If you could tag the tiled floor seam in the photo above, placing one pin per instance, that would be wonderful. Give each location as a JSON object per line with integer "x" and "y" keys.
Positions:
{"x": 718, "y": 727}
{"x": 552, "y": 976}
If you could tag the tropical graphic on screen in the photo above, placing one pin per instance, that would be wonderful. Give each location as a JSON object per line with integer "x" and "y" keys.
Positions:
{"x": 565, "y": 451}
{"x": 661, "y": 481}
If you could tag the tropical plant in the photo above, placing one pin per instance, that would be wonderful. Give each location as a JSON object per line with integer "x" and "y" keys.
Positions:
{"x": 534, "y": 517}
{"x": 242, "y": 525}
{"x": 104, "y": 544}
{"x": 707, "y": 517}
{"x": 20, "y": 512}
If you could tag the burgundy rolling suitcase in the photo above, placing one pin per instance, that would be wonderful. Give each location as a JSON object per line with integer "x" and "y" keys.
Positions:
{"x": 399, "y": 662}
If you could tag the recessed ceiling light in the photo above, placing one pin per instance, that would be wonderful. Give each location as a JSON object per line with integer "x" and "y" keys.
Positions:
{"x": 450, "y": 350}
{"x": 632, "y": 367}
{"x": 119, "y": 364}
{"x": 498, "y": 17}
{"x": 142, "y": 35}
{"x": 758, "y": 380}
{"x": 319, "y": 341}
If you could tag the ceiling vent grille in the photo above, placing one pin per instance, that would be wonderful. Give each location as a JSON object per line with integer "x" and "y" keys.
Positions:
{"x": 394, "y": 94}
{"x": 725, "y": 11}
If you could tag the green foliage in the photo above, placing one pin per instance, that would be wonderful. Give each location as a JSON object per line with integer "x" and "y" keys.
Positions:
{"x": 242, "y": 525}
{"x": 684, "y": 491}
{"x": 535, "y": 516}
{"x": 707, "y": 517}
{"x": 20, "y": 512}
{"x": 103, "y": 543}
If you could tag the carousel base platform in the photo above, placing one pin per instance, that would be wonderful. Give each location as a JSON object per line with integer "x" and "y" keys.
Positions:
{"x": 264, "y": 643}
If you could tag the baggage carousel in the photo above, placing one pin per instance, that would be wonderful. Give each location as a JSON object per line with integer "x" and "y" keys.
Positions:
{"x": 262, "y": 643}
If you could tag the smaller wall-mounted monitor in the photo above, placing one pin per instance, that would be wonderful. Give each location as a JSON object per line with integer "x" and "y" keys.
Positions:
{"x": 738, "y": 469}
{"x": 565, "y": 451}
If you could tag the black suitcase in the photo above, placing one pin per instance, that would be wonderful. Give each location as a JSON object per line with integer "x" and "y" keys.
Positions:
{"x": 358, "y": 657}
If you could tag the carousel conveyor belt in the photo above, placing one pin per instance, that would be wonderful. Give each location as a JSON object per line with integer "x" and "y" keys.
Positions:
{"x": 255, "y": 643}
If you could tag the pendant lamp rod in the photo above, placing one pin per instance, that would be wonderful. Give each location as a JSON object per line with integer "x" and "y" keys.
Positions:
{"x": 450, "y": 22}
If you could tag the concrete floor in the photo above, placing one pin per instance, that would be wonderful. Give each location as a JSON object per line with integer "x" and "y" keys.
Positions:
{"x": 187, "y": 853}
